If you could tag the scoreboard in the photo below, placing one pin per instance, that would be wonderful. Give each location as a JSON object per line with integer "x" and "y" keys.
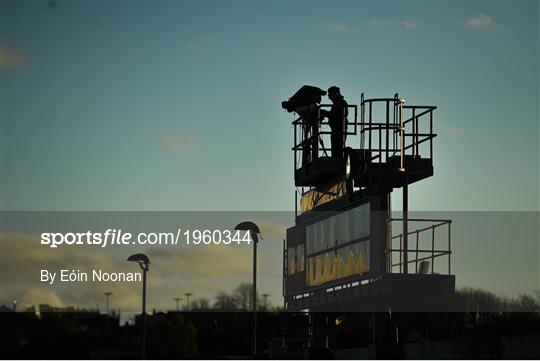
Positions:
{"x": 332, "y": 246}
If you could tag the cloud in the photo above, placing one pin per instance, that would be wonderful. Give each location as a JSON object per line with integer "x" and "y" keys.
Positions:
{"x": 45, "y": 297}
{"x": 10, "y": 58}
{"x": 177, "y": 143}
{"x": 205, "y": 262}
{"x": 335, "y": 26}
{"x": 377, "y": 23}
{"x": 201, "y": 269}
{"x": 23, "y": 259}
{"x": 274, "y": 230}
{"x": 410, "y": 24}
{"x": 480, "y": 21}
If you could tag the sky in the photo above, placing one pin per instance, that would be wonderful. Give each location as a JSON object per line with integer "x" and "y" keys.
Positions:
{"x": 175, "y": 105}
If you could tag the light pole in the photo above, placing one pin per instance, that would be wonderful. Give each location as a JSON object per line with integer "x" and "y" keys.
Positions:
{"x": 187, "y": 294}
{"x": 177, "y": 299}
{"x": 253, "y": 232}
{"x": 107, "y": 294}
{"x": 143, "y": 263}
{"x": 15, "y": 305}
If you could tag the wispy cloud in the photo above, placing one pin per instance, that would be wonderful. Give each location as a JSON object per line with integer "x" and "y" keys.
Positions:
{"x": 176, "y": 143}
{"x": 480, "y": 21}
{"x": 10, "y": 58}
{"x": 410, "y": 24}
{"x": 377, "y": 23}
{"x": 335, "y": 26}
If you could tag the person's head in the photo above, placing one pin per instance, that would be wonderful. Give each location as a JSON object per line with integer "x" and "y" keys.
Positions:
{"x": 333, "y": 93}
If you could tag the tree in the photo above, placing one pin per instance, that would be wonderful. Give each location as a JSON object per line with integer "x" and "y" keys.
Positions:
{"x": 224, "y": 301}
{"x": 528, "y": 303}
{"x": 200, "y": 304}
{"x": 243, "y": 296}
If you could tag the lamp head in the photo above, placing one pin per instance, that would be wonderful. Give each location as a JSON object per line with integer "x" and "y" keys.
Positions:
{"x": 142, "y": 259}
{"x": 251, "y": 227}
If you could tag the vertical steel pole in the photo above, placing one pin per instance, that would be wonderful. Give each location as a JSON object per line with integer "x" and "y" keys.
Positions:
{"x": 405, "y": 224}
{"x": 405, "y": 192}
{"x": 254, "y": 295}
{"x": 143, "y": 346}
{"x": 285, "y": 273}
{"x": 389, "y": 246}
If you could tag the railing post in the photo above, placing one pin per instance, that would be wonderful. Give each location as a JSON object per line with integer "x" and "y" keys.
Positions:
{"x": 402, "y": 136}
{"x": 400, "y": 253}
{"x": 379, "y": 146}
{"x": 416, "y": 132}
{"x": 295, "y": 150}
{"x": 395, "y": 123}
{"x": 370, "y": 113}
{"x": 432, "y": 249}
{"x": 355, "y": 120}
{"x": 362, "y": 120}
{"x": 315, "y": 136}
{"x": 417, "y": 239}
{"x": 431, "y": 134}
{"x": 449, "y": 247}
{"x": 387, "y": 130}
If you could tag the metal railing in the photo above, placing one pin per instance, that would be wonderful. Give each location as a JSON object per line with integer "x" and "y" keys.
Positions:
{"x": 417, "y": 254}
{"x": 389, "y": 128}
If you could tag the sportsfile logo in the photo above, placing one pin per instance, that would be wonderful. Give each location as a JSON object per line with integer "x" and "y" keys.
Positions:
{"x": 120, "y": 237}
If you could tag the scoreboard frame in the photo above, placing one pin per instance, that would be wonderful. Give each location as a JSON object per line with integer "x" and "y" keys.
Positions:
{"x": 362, "y": 260}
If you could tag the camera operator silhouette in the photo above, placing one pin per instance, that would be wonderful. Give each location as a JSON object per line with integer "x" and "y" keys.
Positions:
{"x": 337, "y": 119}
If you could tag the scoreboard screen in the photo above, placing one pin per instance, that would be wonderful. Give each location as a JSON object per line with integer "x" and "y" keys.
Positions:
{"x": 331, "y": 248}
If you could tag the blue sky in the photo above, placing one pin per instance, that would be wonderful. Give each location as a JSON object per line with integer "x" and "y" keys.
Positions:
{"x": 176, "y": 105}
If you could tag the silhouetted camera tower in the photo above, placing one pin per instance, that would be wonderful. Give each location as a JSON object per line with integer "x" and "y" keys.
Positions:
{"x": 346, "y": 251}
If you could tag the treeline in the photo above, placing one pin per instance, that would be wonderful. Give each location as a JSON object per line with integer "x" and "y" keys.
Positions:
{"x": 465, "y": 299}
{"x": 477, "y": 300}
{"x": 240, "y": 299}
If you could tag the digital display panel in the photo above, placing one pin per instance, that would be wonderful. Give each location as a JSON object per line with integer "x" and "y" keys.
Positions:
{"x": 335, "y": 247}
